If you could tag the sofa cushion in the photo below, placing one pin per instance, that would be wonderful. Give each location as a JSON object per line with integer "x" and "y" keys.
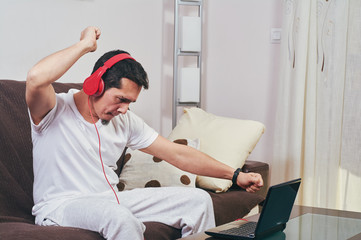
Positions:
{"x": 19, "y": 230}
{"x": 160, "y": 231}
{"x": 232, "y": 205}
{"x": 228, "y": 140}
{"x": 144, "y": 170}
{"x": 16, "y": 165}
{"x": 16, "y": 169}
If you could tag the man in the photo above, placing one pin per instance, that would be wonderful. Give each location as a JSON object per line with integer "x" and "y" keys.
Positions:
{"x": 70, "y": 188}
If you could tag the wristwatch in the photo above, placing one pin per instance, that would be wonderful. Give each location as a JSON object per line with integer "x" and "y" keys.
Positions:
{"x": 235, "y": 176}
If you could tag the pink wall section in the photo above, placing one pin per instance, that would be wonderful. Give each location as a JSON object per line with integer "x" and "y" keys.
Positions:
{"x": 242, "y": 66}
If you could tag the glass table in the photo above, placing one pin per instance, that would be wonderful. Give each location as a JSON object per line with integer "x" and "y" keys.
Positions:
{"x": 309, "y": 223}
{"x": 318, "y": 226}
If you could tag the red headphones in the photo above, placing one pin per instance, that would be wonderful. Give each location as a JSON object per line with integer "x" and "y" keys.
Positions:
{"x": 94, "y": 84}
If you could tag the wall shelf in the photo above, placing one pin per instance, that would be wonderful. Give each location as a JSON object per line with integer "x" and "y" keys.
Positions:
{"x": 178, "y": 52}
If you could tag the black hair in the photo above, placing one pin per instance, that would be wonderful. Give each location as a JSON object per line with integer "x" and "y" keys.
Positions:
{"x": 127, "y": 68}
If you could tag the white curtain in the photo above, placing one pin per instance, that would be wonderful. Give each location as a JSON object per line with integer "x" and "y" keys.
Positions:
{"x": 318, "y": 127}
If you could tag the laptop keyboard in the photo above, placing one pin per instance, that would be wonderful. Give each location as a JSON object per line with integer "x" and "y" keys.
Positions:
{"x": 243, "y": 230}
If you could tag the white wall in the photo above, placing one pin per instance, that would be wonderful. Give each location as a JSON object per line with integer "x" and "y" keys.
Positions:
{"x": 240, "y": 67}
{"x": 31, "y": 30}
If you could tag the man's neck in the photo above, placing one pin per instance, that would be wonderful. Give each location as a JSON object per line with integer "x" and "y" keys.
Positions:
{"x": 81, "y": 102}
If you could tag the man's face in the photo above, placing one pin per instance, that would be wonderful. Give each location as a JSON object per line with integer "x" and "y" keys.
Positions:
{"x": 116, "y": 101}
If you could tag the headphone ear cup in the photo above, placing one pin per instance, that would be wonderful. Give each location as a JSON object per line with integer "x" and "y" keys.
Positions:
{"x": 100, "y": 88}
{"x": 94, "y": 84}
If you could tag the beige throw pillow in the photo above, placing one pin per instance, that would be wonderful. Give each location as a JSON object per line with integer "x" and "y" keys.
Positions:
{"x": 228, "y": 140}
{"x": 143, "y": 170}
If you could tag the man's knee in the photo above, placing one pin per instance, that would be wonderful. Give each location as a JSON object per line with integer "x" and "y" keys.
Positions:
{"x": 119, "y": 216}
{"x": 200, "y": 215}
{"x": 200, "y": 197}
{"x": 119, "y": 222}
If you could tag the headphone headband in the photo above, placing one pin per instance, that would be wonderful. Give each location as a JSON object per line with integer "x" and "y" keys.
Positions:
{"x": 117, "y": 58}
{"x": 94, "y": 85}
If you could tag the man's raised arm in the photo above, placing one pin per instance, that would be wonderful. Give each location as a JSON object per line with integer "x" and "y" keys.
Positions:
{"x": 40, "y": 95}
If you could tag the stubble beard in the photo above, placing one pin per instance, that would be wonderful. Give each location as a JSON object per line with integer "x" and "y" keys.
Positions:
{"x": 105, "y": 122}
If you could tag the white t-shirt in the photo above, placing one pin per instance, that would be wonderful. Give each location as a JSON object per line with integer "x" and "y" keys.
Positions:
{"x": 66, "y": 153}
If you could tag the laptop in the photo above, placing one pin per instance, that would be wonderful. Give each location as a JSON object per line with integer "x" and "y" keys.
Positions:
{"x": 275, "y": 214}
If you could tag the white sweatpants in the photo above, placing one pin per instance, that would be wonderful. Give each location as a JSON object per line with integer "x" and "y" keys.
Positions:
{"x": 189, "y": 209}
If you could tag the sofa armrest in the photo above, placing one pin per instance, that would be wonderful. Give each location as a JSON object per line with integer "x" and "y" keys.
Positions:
{"x": 261, "y": 168}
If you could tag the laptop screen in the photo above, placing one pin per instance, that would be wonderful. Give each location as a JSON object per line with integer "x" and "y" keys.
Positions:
{"x": 278, "y": 205}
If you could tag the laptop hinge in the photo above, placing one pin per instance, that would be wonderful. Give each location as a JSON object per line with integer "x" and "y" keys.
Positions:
{"x": 277, "y": 228}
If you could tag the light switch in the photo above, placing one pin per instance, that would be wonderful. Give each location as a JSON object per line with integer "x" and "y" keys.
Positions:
{"x": 276, "y": 35}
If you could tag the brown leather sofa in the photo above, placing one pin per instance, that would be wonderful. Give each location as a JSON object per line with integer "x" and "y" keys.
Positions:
{"x": 16, "y": 179}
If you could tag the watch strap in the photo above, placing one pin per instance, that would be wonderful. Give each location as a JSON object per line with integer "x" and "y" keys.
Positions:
{"x": 235, "y": 175}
